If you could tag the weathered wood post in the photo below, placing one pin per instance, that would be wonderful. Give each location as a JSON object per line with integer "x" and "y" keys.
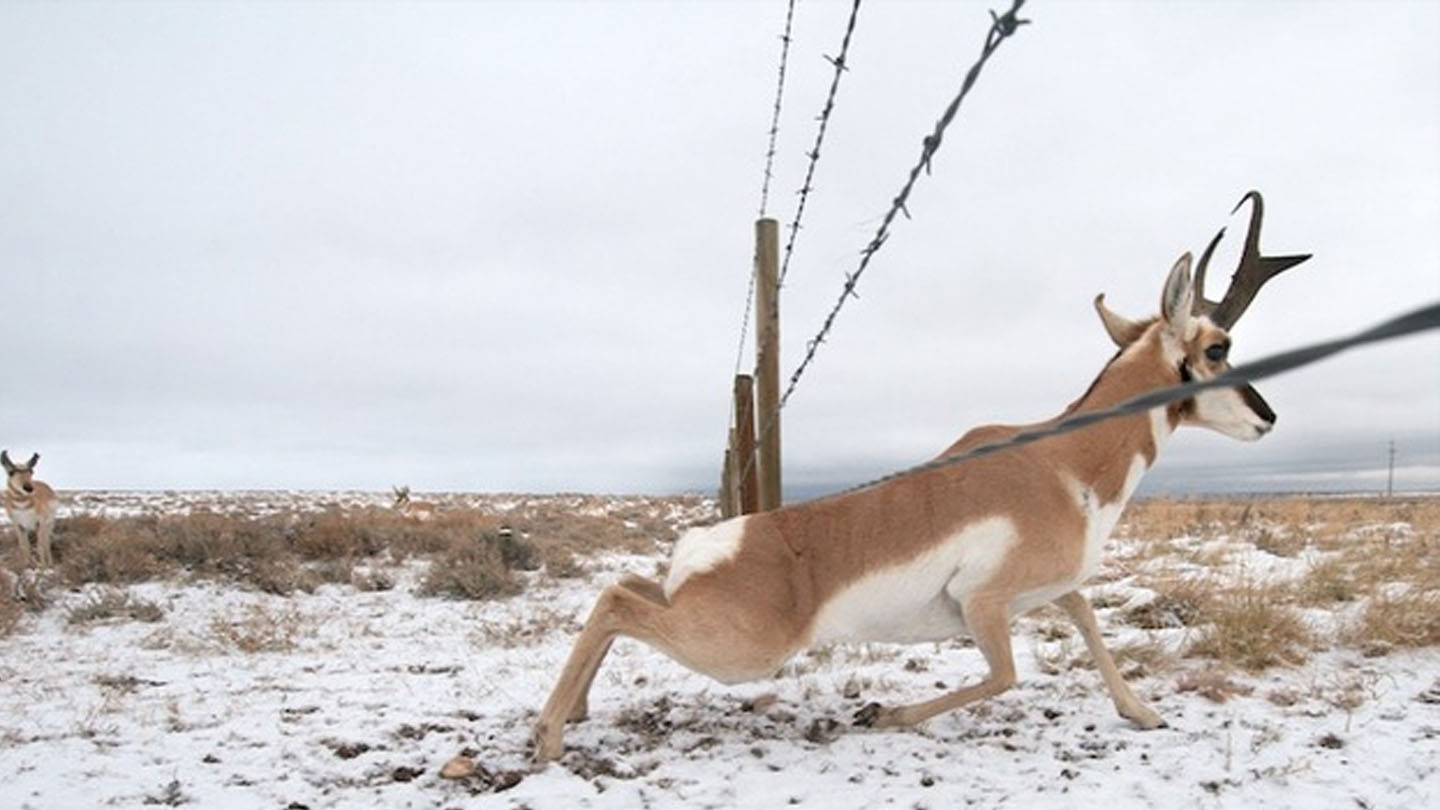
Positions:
{"x": 746, "y": 474}
{"x": 767, "y": 357}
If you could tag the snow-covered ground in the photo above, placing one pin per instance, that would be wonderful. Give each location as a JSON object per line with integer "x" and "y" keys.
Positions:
{"x": 356, "y": 699}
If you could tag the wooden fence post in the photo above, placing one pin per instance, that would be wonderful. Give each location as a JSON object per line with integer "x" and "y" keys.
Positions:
{"x": 767, "y": 356}
{"x": 743, "y": 461}
{"x": 729, "y": 506}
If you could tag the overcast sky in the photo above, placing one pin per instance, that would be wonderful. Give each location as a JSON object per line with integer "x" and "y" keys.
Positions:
{"x": 505, "y": 245}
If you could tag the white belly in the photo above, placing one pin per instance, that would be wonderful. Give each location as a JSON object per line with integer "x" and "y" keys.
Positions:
{"x": 918, "y": 600}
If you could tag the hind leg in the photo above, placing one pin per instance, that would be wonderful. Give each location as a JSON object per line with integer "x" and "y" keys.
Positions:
{"x": 716, "y": 638}
{"x": 650, "y": 590}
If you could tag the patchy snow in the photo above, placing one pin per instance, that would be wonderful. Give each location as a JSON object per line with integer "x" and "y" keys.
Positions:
{"x": 368, "y": 694}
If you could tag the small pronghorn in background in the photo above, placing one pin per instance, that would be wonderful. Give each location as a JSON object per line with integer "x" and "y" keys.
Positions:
{"x": 420, "y": 510}
{"x": 943, "y": 551}
{"x": 30, "y": 504}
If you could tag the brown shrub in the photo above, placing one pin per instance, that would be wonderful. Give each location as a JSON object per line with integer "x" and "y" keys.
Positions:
{"x": 118, "y": 552}
{"x": 472, "y": 570}
{"x": 560, "y": 562}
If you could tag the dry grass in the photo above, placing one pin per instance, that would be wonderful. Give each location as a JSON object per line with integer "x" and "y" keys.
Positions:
{"x": 1390, "y": 620}
{"x": 258, "y": 629}
{"x": 1381, "y": 553}
{"x": 11, "y": 611}
{"x": 1214, "y": 685}
{"x": 474, "y": 553}
{"x": 113, "y": 603}
{"x": 1248, "y": 627}
{"x": 1178, "y": 602}
{"x": 1328, "y": 582}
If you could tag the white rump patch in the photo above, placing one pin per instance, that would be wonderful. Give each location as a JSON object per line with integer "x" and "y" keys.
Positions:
{"x": 703, "y": 548}
{"x": 918, "y": 600}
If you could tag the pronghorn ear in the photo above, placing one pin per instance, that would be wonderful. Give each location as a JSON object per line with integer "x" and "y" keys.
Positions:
{"x": 34, "y": 459}
{"x": 5, "y": 460}
{"x": 1179, "y": 297}
{"x": 1121, "y": 329}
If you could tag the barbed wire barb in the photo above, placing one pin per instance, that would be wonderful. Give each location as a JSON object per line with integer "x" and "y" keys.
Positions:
{"x": 841, "y": 65}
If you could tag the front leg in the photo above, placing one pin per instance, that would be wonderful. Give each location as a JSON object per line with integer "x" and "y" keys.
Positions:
{"x": 24, "y": 545}
{"x": 989, "y": 622}
{"x": 1127, "y": 704}
{"x": 42, "y": 543}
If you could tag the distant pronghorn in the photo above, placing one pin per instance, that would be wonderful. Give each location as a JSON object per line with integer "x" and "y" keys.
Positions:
{"x": 948, "y": 550}
{"x": 31, "y": 507}
{"x": 421, "y": 510}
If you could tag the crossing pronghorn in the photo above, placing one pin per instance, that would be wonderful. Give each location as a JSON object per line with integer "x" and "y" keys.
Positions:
{"x": 422, "y": 510}
{"x": 30, "y": 505}
{"x": 954, "y": 549}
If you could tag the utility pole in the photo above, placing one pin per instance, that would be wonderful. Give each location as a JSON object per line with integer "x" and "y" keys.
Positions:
{"x": 1390, "y": 475}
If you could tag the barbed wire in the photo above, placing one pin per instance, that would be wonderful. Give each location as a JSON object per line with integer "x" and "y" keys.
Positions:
{"x": 841, "y": 65}
{"x": 769, "y": 173}
{"x": 775, "y": 115}
{"x": 1002, "y": 26}
{"x": 1420, "y": 320}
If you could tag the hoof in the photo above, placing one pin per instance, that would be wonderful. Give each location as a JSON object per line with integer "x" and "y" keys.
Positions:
{"x": 1148, "y": 720}
{"x": 548, "y": 747}
{"x": 869, "y": 716}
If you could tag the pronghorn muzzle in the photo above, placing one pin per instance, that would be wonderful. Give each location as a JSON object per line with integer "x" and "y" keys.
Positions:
{"x": 1257, "y": 403}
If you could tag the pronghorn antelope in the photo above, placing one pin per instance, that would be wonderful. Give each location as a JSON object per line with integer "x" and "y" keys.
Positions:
{"x": 932, "y": 554}
{"x": 30, "y": 504}
{"x": 422, "y": 510}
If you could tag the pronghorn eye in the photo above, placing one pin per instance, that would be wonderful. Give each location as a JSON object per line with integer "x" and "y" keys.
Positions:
{"x": 1217, "y": 352}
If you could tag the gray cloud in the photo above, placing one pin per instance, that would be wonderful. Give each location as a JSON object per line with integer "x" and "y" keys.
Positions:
{"x": 505, "y": 246}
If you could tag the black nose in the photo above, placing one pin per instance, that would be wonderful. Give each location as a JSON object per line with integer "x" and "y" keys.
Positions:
{"x": 1257, "y": 403}
{"x": 29, "y": 487}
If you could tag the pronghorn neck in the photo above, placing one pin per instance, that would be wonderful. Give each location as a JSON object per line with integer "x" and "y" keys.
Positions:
{"x": 1109, "y": 458}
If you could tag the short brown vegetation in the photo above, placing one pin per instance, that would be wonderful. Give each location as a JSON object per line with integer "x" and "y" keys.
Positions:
{"x": 1371, "y": 579}
{"x": 1390, "y": 620}
{"x": 1178, "y": 602}
{"x": 1248, "y": 627}
{"x": 474, "y": 553}
{"x": 11, "y": 611}
{"x": 113, "y": 603}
